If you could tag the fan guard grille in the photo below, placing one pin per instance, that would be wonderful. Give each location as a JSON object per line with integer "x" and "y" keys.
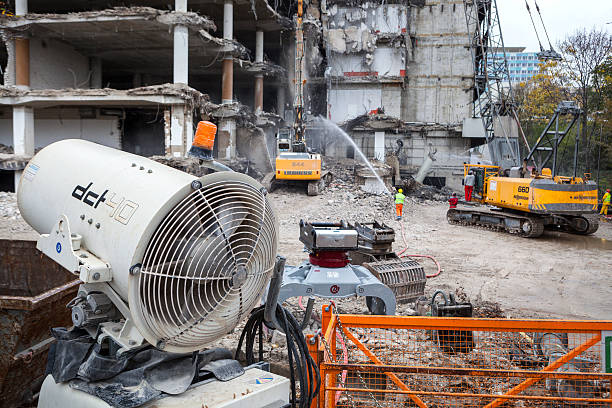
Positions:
{"x": 207, "y": 264}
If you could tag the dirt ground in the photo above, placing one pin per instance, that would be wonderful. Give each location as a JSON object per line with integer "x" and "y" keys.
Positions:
{"x": 558, "y": 275}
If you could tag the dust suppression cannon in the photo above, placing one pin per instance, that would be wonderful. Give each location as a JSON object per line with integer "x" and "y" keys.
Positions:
{"x": 166, "y": 259}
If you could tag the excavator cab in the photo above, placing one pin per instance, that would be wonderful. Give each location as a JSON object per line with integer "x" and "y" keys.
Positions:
{"x": 481, "y": 173}
{"x": 283, "y": 140}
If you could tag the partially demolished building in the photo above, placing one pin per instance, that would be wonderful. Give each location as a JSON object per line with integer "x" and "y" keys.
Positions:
{"x": 138, "y": 78}
{"x": 397, "y": 76}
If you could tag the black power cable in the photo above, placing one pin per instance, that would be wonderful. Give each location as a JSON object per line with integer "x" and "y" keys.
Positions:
{"x": 301, "y": 363}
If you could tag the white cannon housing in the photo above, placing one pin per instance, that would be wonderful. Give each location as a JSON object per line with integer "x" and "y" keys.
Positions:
{"x": 183, "y": 259}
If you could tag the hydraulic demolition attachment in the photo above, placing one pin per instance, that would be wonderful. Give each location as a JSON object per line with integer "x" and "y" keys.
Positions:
{"x": 329, "y": 274}
{"x": 404, "y": 276}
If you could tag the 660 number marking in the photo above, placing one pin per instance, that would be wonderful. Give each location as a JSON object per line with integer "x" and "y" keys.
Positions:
{"x": 523, "y": 189}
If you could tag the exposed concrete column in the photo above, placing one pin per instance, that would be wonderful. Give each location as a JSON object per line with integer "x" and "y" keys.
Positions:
{"x": 259, "y": 42}
{"x": 181, "y": 54}
{"x": 379, "y": 146}
{"x": 227, "y": 127}
{"x": 227, "y": 138}
{"x": 180, "y": 137}
{"x": 227, "y": 80}
{"x": 180, "y": 5}
{"x": 95, "y": 65}
{"x": 21, "y": 7}
{"x": 9, "y": 73}
{"x": 23, "y": 134}
{"x": 22, "y": 50}
{"x": 181, "y": 126}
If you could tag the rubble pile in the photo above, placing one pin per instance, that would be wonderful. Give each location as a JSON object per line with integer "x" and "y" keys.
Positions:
{"x": 8, "y": 206}
{"x": 424, "y": 192}
{"x": 187, "y": 164}
{"x": 192, "y": 165}
{"x": 242, "y": 165}
{"x": 6, "y": 149}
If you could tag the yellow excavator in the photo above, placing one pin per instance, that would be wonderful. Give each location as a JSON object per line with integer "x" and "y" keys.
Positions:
{"x": 294, "y": 161}
{"x": 527, "y": 201}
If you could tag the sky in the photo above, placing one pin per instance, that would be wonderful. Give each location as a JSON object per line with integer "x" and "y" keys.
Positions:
{"x": 561, "y": 17}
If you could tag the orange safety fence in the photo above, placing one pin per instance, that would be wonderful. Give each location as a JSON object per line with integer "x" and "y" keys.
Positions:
{"x": 399, "y": 361}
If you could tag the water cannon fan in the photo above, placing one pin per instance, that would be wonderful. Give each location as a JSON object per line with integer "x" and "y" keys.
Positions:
{"x": 164, "y": 257}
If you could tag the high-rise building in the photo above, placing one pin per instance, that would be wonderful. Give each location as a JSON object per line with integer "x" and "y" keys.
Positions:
{"x": 522, "y": 65}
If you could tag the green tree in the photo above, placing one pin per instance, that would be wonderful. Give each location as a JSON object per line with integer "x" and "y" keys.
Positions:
{"x": 584, "y": 52}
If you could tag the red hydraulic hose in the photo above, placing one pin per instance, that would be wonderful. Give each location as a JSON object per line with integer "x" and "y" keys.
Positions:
{"x": 401, "y": 255}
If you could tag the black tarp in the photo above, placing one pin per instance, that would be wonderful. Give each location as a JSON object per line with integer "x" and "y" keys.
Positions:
{"x": 135, "y": 377}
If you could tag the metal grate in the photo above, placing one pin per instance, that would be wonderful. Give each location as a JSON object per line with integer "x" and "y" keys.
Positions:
{"x": 405, "y": 277}
{"x": 207, "y": 264}
{"x": 431, "y": 362}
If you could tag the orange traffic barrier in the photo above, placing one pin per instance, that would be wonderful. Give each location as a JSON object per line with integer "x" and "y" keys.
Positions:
{"x": 402, "y": 361}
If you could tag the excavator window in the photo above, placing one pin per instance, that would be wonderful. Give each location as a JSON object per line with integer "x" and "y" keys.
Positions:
{"x": 479, "y": 174}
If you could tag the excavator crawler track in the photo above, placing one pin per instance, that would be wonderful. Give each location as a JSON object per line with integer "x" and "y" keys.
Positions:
{"x": 524, "y": 226}
{"x": 582, "y": 225}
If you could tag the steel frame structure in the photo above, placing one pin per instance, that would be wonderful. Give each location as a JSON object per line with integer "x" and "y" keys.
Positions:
{"x": 489, "y": 100}
{"x": 547, "y": 145}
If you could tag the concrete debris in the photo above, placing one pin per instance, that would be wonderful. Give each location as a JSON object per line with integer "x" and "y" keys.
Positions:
{"x": 243, "y": 165}
{"x": 268, "y": 69}
{"x": 225, "y": 47}
{"x": 424, "y": 192}
{"x": 191, "y": 96}
{"x": 11, "y": 162}
{"x": 378, "y": 121}
{"x": 187, "y": 164}
{"x": 8, "y": 206}
{"x": 6, "y": 149}
{"x": 182, "y": 91}
{"x": 192, "y": 165}
{"x": 190, "y": 19}
{"x": 368, "y": 181}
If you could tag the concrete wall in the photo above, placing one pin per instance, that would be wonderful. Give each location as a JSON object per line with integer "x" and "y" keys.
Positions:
{"x": 452, "y": 152}
{"x": 55, "y": 65}
{"x": 439, "y": 69}
{"x": 384, "y": 61}
{"x": 347, "y": 101}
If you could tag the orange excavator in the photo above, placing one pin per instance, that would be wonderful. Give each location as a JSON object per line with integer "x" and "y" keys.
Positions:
{"x": 295, "y": 163}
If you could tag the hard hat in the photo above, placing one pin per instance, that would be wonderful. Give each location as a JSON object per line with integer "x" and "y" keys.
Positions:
{"x": 608, "y": 190}
{"x": 401, "y": 191}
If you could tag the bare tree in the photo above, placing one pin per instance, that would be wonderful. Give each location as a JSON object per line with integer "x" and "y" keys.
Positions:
{"x": 583, "y": 53}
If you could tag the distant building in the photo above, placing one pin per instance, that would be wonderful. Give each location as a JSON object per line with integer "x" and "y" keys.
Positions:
{"x": 522, "y": 65}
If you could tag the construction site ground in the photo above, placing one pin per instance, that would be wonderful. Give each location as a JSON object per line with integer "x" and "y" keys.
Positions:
{"x": 558, "y": 275}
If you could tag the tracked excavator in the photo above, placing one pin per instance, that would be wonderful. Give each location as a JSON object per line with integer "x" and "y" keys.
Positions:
{"x": 524, "y": 201}
{"x": 295, "y": 163}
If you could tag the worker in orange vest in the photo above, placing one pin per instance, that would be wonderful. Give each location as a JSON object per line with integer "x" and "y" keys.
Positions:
{"x": 399, "y": 203}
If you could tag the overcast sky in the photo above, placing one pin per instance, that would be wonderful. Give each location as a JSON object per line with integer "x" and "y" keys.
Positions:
{"x": 560, "y": 16}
